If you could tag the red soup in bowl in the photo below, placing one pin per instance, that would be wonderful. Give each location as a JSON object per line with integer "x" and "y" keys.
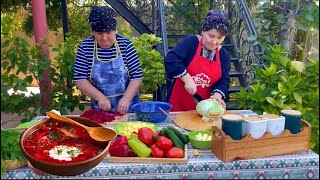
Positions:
{"x": 49, "y": 150}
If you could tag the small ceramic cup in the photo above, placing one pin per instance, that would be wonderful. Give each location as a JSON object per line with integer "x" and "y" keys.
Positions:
{"x": 275, "y": 124}
{"x": 292, "y": 120}
{"x": 255, "y": 126}
{"x": 232, "y": 125}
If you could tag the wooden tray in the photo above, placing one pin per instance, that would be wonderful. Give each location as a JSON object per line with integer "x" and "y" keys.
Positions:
{"x": 227, "y": 149}
{"x": 184, "y": 160}
{"x": 191, "y": 120}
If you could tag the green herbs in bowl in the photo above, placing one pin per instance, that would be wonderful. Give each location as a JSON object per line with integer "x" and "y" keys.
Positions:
{"x": 11, "y": 154}
{"x": 200, "y": 139}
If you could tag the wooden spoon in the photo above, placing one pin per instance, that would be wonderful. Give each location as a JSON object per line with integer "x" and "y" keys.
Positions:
{"x": 97, "y": 133}
{"x": 65, "y": 133}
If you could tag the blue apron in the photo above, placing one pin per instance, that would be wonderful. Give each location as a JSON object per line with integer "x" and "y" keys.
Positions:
{"x": 111, "y": 78}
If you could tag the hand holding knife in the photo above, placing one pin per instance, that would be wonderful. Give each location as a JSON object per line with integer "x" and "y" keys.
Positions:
{"x": 197, "y": 98}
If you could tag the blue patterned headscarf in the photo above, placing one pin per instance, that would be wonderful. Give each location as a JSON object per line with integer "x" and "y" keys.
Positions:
{"x": 102, "y": 19}
{"x": 216, "y": 19}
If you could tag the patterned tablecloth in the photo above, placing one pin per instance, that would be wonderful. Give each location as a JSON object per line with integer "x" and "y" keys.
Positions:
{"x": 303, "y": 165}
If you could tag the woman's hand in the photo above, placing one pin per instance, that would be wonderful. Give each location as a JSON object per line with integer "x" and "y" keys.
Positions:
{"x": 218, "y": 97}
{"x": 190, "y": 87}
{"x": 189, "y": 84}
{"x": 104, "y": 103}
{"x": 123, "y": 105}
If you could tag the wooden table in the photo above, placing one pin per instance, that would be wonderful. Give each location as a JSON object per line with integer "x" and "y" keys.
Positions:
{"x": 303, "y": 165}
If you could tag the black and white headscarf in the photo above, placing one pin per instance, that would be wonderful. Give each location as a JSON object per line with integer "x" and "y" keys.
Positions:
{"x": 102, "y": 19}
{"x": 216, "y": 19}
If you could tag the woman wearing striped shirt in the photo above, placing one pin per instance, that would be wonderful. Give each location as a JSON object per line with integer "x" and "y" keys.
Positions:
{"x": 107, "y": 67}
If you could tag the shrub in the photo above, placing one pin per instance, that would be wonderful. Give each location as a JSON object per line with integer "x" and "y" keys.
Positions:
{"x": 285, "y": 84}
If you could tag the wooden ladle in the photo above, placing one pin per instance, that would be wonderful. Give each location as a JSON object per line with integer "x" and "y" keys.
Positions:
{"x": 97, "y": 133}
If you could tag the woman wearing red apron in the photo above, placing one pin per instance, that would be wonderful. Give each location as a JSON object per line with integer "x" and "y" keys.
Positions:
{"x": 199, "y": 64}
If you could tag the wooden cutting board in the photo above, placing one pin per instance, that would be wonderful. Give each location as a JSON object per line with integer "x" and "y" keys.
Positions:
{"x": 118, "y": 120}
{"x": 191, "y": 120}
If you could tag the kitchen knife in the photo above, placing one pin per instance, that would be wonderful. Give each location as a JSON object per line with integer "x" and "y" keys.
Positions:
{"x": 113, "y": 110}
{"x": 197, "y": 98}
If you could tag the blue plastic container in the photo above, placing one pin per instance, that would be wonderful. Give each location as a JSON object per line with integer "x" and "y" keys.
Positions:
{"x": 149, "y": 111}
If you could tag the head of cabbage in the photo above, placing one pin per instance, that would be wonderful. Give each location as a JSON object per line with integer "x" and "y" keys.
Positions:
{"x": 207, "y": 106}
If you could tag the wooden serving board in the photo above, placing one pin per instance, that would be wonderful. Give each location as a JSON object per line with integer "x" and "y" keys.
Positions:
{"x": 184, "y": 160}
{"x": 191, "y": 120}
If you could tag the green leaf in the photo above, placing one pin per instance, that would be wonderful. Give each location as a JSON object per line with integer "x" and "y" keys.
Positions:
{"x": 309, "y": 17}
{"x": 81, "y": 107}
{"x": 297, "y": 65}
{"x": 301, "y": 26}
{"x": 297, "y": 97}
{"x": 272, "y": 69}
{"x": 281, "y": 87}
{"x": 271, "y": 100}
{"x": 15, "y": 100}
{"x": 280, "y": 103}
{"x": 299, "y": 47}
{"x": 285, "y": 26}
{"x": 284, "y": 61}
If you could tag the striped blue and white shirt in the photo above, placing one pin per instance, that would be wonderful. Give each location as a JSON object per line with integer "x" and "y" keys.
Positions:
{"x": 84, "y": 57}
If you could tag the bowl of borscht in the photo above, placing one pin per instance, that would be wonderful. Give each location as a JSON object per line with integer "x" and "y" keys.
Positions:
{"x": 51, "y": 151}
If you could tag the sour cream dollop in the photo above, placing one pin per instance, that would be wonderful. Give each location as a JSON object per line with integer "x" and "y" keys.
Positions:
{"x": 65, "y": 153}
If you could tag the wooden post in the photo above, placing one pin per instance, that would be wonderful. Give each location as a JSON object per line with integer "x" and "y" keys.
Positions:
{"x": 41, "y": 32}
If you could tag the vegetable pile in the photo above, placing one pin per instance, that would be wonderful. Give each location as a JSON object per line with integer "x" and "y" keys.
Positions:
{"x": 168, "y": 143}
{"x": 126, "y": 129}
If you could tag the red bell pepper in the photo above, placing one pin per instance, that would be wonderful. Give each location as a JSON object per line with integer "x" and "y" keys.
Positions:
{"x": 164, "y": 143}
{"x": 131, "y": 153}
{"x": 145, "y": 135}
{"x": 174, "y": 152}
{"x": 121, "y": 140}
{"x": 157, "y": 152}
{"x": 119, "y": 147}
{"x": 119, "y": 151}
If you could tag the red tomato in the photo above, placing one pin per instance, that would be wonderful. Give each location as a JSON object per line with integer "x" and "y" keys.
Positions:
{"x": 164, "y": 143}
{"x": 174, "y": 152}
{"x": 157, "y": 152}
{"x": 145, "y": 135}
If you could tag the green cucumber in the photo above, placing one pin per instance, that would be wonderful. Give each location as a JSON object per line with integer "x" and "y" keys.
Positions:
{"x": 162, "y": 133}
{"x": 174, "y": 138}
{"x": 184, "y": 138}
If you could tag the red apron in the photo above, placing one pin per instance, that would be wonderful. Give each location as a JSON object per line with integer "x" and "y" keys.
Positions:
{"x": 204, "y": 73}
